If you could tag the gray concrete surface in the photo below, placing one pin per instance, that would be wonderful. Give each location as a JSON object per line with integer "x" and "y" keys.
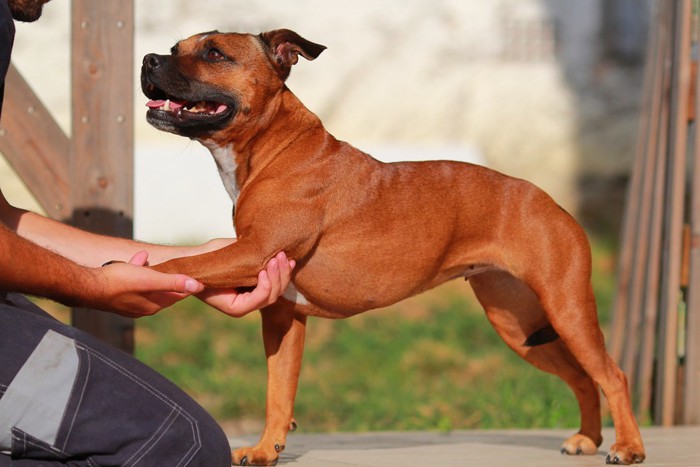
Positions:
{"x": 677, "y": 447}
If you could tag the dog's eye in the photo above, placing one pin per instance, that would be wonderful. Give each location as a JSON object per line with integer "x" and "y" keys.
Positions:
{"x": 215, "y": 55}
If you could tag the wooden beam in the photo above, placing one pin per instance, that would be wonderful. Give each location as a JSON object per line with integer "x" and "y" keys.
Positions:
{"x": 691, "y": 395}
{"x": 667, "y": 376}
{"x": 103, "y": 136}
{"x": 638, "y": 212}
{"x": 643, "y": 383}
{"x": 35, "y": 146}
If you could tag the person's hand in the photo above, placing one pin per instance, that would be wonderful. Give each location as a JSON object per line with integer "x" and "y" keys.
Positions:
{"x": 272, "y": 282}
{"x": 132, "y": 290}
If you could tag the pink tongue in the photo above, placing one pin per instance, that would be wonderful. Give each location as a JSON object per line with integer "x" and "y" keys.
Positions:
{"x": 221, "y": 108}
{"x": 155, "y": 104}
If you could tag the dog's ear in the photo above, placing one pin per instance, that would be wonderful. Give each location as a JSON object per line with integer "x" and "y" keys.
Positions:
{"x": 285, "y": 46}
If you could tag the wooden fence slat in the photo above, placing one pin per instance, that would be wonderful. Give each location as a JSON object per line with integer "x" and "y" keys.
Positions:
{"x": 644, "y": 380}
{"x": 35, "y": 146}
{"x": 646, "y": 158}
{"x": 103, "y": 139}
{"x": 628, "y": 244}
{"x": 691, "y": 396}
{"x": 638, "y": 189}
{"x": 651, "y": 299}
{"x": 666, "y": 382}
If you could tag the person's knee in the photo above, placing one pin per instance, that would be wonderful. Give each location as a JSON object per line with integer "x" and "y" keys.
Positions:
{"x": 215, "y": 449}
{"x": 195, "y": 440}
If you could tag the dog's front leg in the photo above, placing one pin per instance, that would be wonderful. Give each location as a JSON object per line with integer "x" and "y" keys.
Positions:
{"x": 236, "y": 265}
{"x": 283, "y": 335}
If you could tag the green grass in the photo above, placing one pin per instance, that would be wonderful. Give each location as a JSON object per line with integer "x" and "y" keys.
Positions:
{"x": 431, "y": 363}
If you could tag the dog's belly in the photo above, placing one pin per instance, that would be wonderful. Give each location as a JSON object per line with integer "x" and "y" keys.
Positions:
{"x": 344, "y": 302}
{"x": 343, "y": 290}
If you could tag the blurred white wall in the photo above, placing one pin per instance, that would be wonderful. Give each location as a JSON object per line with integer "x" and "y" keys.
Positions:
{"x": 489, "y": 82}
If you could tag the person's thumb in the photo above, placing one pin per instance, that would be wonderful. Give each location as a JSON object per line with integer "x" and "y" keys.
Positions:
{"x": 185, "y": 284}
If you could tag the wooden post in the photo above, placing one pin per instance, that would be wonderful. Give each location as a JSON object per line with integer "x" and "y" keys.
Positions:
{"x": 691, "y": 395}
{"x": 633, "y": 334}
{"x": 101, "y": 168}
{"x": 666, "y": 381}
{"x": 628, "y": 324}
{"x": 664, "y": 248}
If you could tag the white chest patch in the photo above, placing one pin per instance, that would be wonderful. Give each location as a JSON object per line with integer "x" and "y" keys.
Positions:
{"x": 226, "y": 163}
{"x": 293, "y": 295}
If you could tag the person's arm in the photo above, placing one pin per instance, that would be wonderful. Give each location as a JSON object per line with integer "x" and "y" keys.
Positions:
{"x": 125, "y": 288}
{"x": 155, "y": 291}
{"x": 86, "y": 248}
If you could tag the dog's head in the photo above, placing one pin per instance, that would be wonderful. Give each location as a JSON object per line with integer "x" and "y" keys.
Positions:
{"x": 212, "y": 80}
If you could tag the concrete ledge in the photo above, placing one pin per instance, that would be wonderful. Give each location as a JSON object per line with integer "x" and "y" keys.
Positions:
{"x": 677, "y": 447}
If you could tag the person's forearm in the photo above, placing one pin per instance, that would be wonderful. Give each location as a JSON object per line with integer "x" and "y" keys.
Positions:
{"x": 29, "y": 268}
{"x": 128, "y": 289}
{"x": 84, "y": 247}
{"x": 68, "y": 271}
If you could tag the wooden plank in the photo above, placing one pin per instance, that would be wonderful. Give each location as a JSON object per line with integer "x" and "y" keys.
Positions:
{"x": 685, "y": 256}
{"x": 643, "y": 383}
{"x": 691, "y": 396}
{"x": 666, "y": 381}
{"x": 103, "y": 136}
{"x": 645, "y": 377}
{"x": 634, "y": 205}
{"x": 35, "y": 146}
{"x": 629, "y": 241}
{"x": 647, "y": 155}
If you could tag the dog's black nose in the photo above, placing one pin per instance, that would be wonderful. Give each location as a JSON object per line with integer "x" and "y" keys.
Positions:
{"x": 152, "y": 61}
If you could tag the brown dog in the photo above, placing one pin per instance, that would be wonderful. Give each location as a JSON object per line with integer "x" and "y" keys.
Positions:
{"x": 367, "y": 234}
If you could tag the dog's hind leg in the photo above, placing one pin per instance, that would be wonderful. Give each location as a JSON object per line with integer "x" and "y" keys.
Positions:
{"x": 557, "y": 268}
{"x": 516, "y": 314}
{"x": 283, "y": 335}
{"x": 571, "y": 310}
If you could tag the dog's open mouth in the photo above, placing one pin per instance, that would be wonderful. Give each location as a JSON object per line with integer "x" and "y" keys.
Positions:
{"x": 184, "y": 109}
{"x": 186, "y": 116}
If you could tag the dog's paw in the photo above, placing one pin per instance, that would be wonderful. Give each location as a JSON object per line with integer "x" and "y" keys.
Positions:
{"x": 625, "y": 454}
{"x": 255, "y": 456}
{"x": 579, "y": 445}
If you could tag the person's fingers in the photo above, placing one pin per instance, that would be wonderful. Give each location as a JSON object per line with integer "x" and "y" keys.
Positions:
{"x": 286, "y": 266}
{"x": 273, "y": 275}
{"x": 262, "y": 290}
{"x": 139, "y": 259}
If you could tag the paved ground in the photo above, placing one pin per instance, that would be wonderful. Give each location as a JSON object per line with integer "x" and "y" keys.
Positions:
{"x": 677, "y": 447}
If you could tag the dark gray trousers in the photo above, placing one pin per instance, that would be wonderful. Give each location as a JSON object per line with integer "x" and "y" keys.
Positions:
{"x": 66, "y": 398}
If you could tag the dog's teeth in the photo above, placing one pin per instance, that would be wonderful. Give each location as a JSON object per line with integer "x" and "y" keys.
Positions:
{"x": 166, "y": 106}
